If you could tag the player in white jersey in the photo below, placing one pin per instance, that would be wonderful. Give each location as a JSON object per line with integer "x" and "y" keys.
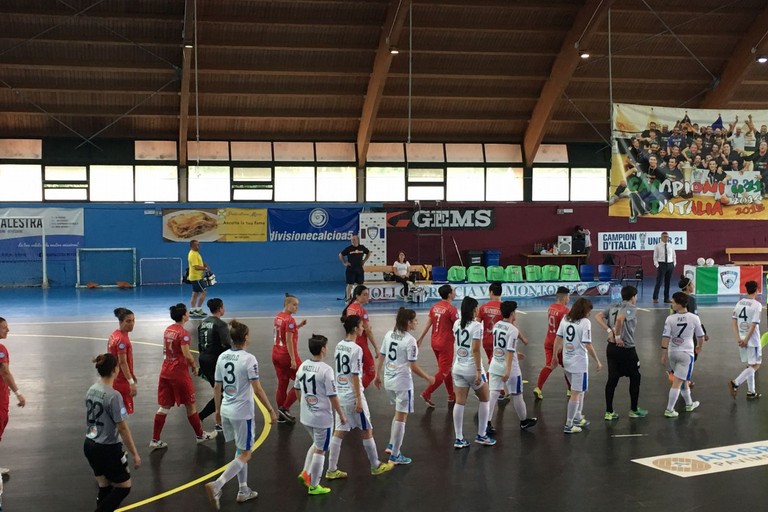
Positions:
{"x": 468, "y": 372}
{"x": 574, "y": 339}
{"x": 504, "y": 369}
{"x": 316, "y": 389}
{"x": 236, "y": 381}
{"x": 400, "y": 350}
{"x": 678, "y": 347}
{"x": 746, "y": 330}
{"x": 349, "y": 369}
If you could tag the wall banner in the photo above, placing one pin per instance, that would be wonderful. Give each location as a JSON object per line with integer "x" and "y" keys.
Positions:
{"x": 313, "y": 224}
{"x": 720, "y": 166}
{"x": 215, "y": 225}
{"x": 21, "y": 230}
{"x": 394, "y": 291}
{"x": 639, "y": 240}
{"x": 373, "y": 235}
{"x": 453, "y": 218}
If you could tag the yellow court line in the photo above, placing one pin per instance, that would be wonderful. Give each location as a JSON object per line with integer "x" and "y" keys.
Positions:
{"x": 264, "y": 432}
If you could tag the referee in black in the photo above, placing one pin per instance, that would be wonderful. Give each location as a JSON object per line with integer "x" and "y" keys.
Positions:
{"x": 356, "y": 255}
{"x": 213, "y": 339}
{"x": 619, "y": 320}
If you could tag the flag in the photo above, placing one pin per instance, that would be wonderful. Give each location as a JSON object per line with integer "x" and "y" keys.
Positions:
{"x": 718, "y": 123}
{"x": 727, "y": 280}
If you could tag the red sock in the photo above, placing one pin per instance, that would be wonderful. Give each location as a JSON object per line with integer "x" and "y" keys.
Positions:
{"x": 289, "y": 399}
{"x": 194, "y": 420}
{"x": 449, "y": 386}
{"x": 543, "y": 376}
{"x": 159, "y": 424}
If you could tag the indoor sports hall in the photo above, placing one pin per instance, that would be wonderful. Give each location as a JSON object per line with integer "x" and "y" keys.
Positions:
{"x": 157, "y": 153}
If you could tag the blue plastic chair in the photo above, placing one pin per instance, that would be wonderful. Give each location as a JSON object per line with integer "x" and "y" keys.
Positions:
{"x": 587, "y": 272}
{"x": 604, "y": 272}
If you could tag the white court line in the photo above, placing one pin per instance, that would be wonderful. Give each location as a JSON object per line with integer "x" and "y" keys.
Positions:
{"x": 629, "y": 435}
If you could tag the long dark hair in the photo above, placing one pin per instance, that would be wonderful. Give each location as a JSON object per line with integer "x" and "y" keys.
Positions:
{"x": 468, "y": 305}
{"x": 238, "y": 331}
{"x": 404, "y": 316}
{"x": 359, "y": 289}
{"x": 350, "y": 323}
{"x": 105, "y": 364}
{"x": 580, "y": 309}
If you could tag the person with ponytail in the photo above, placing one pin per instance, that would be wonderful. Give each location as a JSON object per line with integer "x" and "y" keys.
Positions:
{"x": 119, "y": 345}
{"x": 105, "y": 424}
{"x": 440, "y": 321}
{"x": 285, "y": 356}
{"x": 468, "y": 372}
{"x": 574, "y": 339}
{"x": 360, "y": 297}
{"x": 237, "y": 381}
{"x": 401, "y": 351}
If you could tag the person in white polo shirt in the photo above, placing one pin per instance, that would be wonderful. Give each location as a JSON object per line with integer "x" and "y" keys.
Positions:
{"x": 664, "y": 259}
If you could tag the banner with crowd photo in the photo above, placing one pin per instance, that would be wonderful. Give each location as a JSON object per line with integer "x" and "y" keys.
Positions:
{"x": 313, "y": 224}
{"x": 215, "y": 225}
{"x": 21, "y": 232}
{"x": 645, "y": 184}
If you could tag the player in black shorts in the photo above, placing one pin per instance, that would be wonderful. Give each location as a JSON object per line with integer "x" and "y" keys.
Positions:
{"x": 356, "y": 255}
{"x": 105, "y": 425}
{"x": 213, "y": 339}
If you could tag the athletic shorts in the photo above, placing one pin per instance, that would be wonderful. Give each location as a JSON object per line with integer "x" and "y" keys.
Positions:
{"x": 514, "y": 383}
{"x": 579, "y": 381}
{"x": 107, "y": 460}
{"x": 361, "y": 420}
{"x": 125, "y": 391}
{"x": 208, "y": 367}
{"x": 751, "y": 355}
{"x": 402, "y": 400}
{"x": 681, "y": 364}
{"x": 175, "y": 391}
{"x": 198, "y": 286}
{"x": 355, "y": 275}
{"x": 241, "y": 431}
{"x": 321, "y": 437}
{"x": 465, "y": 381}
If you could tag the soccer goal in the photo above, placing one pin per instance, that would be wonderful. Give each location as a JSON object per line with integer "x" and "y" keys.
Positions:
{"x": 106, "y": 266}
{"x": 159, "y": 271}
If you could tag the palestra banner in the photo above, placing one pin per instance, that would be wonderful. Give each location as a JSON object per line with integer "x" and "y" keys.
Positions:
{"x": 21, "y": 233}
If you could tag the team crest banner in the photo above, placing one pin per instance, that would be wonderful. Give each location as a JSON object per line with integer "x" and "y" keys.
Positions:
{"x": 689, "y": 163}
{"x": 313, "y": 224}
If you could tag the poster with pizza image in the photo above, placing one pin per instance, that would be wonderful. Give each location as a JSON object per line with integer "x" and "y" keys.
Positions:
{"x": 215, "y": 225}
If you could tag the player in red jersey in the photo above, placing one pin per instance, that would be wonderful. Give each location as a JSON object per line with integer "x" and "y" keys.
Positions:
{"x": 119, "y": 345}
{"x": 7, "y": 383}
{"x": 441, "y": 319}
{"x": 285, "y": 357}
{"x": 175, "y": 384}
{"x": 555, "y": 314}
{"x": 489, "y": 314}
{"x": 360, "y": 297}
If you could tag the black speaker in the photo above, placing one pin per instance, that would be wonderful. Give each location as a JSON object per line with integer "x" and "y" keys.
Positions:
{"x": 578, "y": 246}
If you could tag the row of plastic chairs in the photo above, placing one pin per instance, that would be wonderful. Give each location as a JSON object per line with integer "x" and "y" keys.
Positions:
{"x": 514, "y": 273}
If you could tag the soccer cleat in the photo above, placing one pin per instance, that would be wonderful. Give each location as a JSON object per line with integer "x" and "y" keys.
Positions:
{"x": 490, "y": 429}
{"x": 281, "y": 420}
{"x": 158, "y": 444}
{"x": 568, "y": 393}
{"x": 460, "y": 443}
{"x": 388, "y": 449}
{"x": 610, "y": 416}
{"x": 537, "y": 393}
{"x": 304, "y": 479}
{"x": 485, "y": 440}
{"x": 733, "y": 388}
{"x": 689, "y": 408}
{"x": 671, "y": 414}
{"x": 428, "y": 401}
{"x": 5, "y": 471}
{"x": 218, "y": 428}
{"x": 528, "y": 423}
{"x": 285, "y": 415}
{"x": 383, "y": 467}
{"x": 242, "y": 497}
{"x": 214, "y": 495}
{"x": 638, "y": 413}
{"x": 335, "y": 475}
{"x": 400, "y": 459}
{"x": 318, "y": 490}
{"x": 572, "y": 429}
{"x": 750, "y": 396}
{"x": 207, "y": 436}
{"x": 583, "y": 422}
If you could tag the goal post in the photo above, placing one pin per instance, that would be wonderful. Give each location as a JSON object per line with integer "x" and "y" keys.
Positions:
{"x": 106, "y": 266}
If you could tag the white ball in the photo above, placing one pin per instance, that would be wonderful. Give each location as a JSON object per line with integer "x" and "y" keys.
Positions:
{"x": 710, "y": 262}
{"x": 700, "y": 262}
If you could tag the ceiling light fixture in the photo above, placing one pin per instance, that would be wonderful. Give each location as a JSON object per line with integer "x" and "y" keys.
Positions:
{"x": 584, "y": 54}
{"x": 189, "y": 45}
{"x": 762, "y": 59}
{"x": 394, "y": 51}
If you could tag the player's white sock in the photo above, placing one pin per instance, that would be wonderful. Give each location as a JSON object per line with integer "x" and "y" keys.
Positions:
{"x": 482, "y": 418}
{"x": 334, "y": 450}
{"x": 370, "y": 450}
{"x": 674, "y": 394}
{"x": 398, "y": 433}
{"x": 751, "y": 380}
{"x": 458, "y": 421}
{"x": 316, "y": 468}
{"x": 573, "y": 406}
{"x": 743, "y": 376}
{"x": 233, "y": 468}
{"x": 686, "y": 392}
{"x": 242, "y": 478}
{"x": 308, "y": 459}
{"x": 492, "y": 404}
{"x": 519, "y": 402}
{"x": 580, "y": 408}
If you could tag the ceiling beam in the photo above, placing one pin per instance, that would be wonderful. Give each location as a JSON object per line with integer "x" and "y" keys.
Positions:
{"x": 737, "y": 65}
{"x": 585, "y": 23}
{"x": 390, "y": 34}
{"x": 187, "y": 39}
